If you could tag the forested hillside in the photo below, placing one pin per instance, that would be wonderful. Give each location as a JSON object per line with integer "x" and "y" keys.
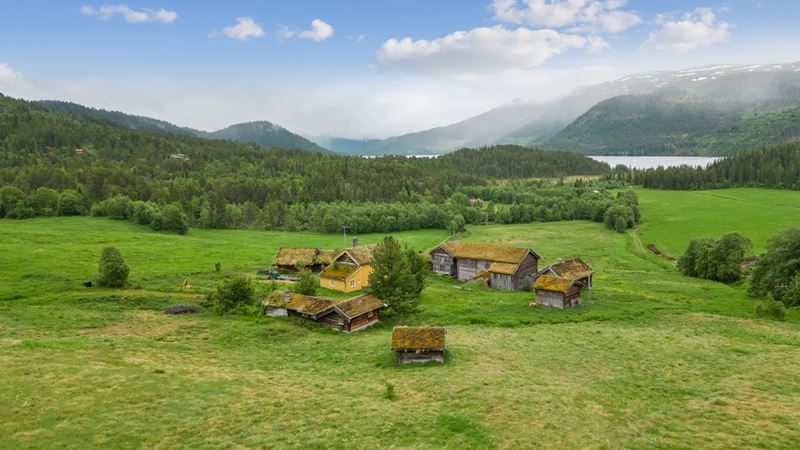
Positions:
{"x": 775, "y": 166}
{"x": 262, "y": 133}
{"x": 228, "y": 184}
{"x": 708, "y": 118}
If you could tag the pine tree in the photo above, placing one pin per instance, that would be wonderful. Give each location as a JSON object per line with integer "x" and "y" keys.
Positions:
{"x": 392, "y": 280}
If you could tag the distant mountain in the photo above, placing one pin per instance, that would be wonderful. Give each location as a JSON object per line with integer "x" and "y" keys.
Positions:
{"x": 263, "y": 133}
{"x": 538, "y": 124}
{"x": 710, "y": 116}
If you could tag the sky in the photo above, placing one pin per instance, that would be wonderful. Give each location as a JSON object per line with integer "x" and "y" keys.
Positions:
{"x": 365, "y": 68}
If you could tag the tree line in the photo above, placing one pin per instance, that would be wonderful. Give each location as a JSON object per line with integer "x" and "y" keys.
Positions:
{"x": 775, "y": 166}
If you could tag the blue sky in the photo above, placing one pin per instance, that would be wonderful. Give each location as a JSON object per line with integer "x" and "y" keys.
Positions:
{"x": 365, "y": 68}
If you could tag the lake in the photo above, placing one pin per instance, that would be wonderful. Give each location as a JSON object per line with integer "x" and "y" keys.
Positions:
{"x": 651, "y": 162}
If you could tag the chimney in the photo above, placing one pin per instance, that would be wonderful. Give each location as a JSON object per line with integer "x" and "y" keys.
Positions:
{"x": 355, "y": 241}
{"x": 287, "y": 296}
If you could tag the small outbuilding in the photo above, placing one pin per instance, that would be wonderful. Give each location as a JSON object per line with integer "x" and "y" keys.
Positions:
{"x": 419, "y": 344}
{"x": 573, "y": 268}
{"x": 508, "y": 268}
{"x": 349, "y": 315}
{"x": 557, "y": 292}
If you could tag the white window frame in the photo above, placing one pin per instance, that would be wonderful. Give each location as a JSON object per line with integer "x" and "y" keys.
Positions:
{"x": 333, "y": 282}
{"x": 352, "y": 283}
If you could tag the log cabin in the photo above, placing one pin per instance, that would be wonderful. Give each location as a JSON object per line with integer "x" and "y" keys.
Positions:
{"x": 313, "y": 259}
{"x": 350, "y": 269}
{"x": 573, "y": 268}
{"x": 508, "y": 268}
{"x": 419, "y": 344}
{"x": 557, "y": 292}
{"x": 344, "y": 315}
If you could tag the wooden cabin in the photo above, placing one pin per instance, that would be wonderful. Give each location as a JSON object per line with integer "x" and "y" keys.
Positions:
{"x": 418, "y": 344}
{"x": 349, "y": 271}
{"x": 313, "y": 259}
{"x": 573, "y": 268}
{"x": 557, "y": 292}
{"x": 508, "y": 268}
{"x": 349, "y": 315}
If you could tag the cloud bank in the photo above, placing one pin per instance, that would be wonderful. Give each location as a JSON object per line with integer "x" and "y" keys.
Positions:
{"x": 130, "y": 15}
{"x": 695, "y": 29}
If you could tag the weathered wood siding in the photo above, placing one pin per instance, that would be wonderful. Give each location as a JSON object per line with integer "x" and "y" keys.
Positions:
{"x": 362, "y": 321}
{"x": 467, "y": 269}
{"x": 501, "y": 281}
{"x": 419, "y": 357}
{"x": 523, "y": 277}
{"x": 559, "y": 300}
{"x": 332, "y": 320}
{"x": 442, "y": 263}
{"x": 276, "y": 311}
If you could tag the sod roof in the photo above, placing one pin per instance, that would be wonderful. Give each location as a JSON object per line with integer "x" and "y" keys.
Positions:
{"x": 278, "y": 298}
{"x": 359, "y": 305}
{"x": 573, "y": 268}
{"x": 361, "y": 255}
{"x": 503, "y": 268}
{"x": 312, "y": 306}
{"x": 338, "y": 271}
{"x": 485, "y": 252}
{"x": 418, "y": 338}
{"x": 553, "y": 283}
{"x": 290, "y": 256}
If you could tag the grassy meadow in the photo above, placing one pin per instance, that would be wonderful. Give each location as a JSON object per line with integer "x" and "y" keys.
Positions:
{"x": 672, "y": 218}
{"x": 652, "y": 360}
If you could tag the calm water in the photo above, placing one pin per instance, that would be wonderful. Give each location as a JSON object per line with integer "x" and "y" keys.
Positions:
{"x": 651, "y": 162}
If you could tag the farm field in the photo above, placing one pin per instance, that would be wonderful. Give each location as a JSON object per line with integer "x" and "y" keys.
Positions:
{"x": 653, "y": 360}
{"x": 672, "y": 218}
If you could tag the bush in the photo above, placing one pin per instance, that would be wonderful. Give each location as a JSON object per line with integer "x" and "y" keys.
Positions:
{"x": 619, "y": 217}
{"x": 44, "y": 201}
{"x": 118, "y": 207}
{"x": 389, "y": 393}
{"x": 174, "y": 219}
{"x": 771, "y": 309}
{"x": 10, "y": 198}
{"x": 70, "y": 203}
{"x": 143, "y": 212}
{"x": 715, "y": 260}
{"x": 113, "y": 270}
{"x": 234, "y": 294}
{"x": 307, "y": 284}
{"x": 777, "y": 271}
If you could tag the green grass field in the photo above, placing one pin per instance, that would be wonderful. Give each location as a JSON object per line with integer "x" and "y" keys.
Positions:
{"x": 672, "y": 218}
{"x": 654, "y": 360}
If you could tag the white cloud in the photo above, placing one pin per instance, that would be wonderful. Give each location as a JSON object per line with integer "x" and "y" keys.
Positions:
{"x": 597, "y": 44}
{"x": 11, "y": 79}
{"x": 583, "y": 15}
{"x": 245, "y": 28}
{"x": 320, "y": 31}
{"x": 479, "y": 50}
{"x": 695, "y": 29}
{"x": 130, "y": 15}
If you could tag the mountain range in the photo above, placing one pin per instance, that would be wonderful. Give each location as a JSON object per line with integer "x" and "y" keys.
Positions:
{"x": 712, "y": 110}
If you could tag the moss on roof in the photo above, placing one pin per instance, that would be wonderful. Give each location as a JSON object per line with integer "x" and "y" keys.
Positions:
{"x": 553, "y": 283}
{"x": 418, "y": 338}
{"x": 309, "y": 305}
{"x": 503, "y": 268}
{"x": 338, "y": 271}
{"x": 278, "y": 298}
{"x": 573, "y": 268}
{"x": 290, "y": 256}
{"x": 359, "y": 305}
{"x": 361, "y": 255}
{"x": 485, "y": 252}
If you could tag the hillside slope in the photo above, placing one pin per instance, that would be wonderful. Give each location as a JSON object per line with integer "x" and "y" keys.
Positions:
{"x": 722, "y": 117}
{"x": 263, "y": 133}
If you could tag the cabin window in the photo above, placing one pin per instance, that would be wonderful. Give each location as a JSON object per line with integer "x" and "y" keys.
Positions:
{"x": 352, "y": 283}
{"x": 333, "y": 282}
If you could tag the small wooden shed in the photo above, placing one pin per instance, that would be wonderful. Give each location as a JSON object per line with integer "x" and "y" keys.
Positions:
{"x": 349, "y": 315}
{"x": 557, "y": 292}
{"x": 419, "y": 344}
{"x": 313, "y": 259}
{"x": 507, "y": 268}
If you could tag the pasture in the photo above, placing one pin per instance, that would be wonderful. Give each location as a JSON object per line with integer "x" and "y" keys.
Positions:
{"x": 654, "y": 359}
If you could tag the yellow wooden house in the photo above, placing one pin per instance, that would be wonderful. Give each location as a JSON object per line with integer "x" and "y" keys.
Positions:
{"x": 349, "y": 271}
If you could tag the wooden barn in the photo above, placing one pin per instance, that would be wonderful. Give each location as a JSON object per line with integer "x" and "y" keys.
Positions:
{"x": 573, "y": 268}
{"x": 350, "y": 270}
{"x": 419, "y": 344}
{"x": 557, "y": 292}
{"x": 313, "y": 259}
{"x": 349, "y": 315}
{"x": 508, "y": 268}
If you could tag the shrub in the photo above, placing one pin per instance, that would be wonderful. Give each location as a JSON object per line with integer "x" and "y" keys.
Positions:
{"x": 777, "y": 271}
{"x": 174, "y": 219}
{"x": 389, "y": 393}
{"x": 10, "y": 198}
{"x": 143, "y": 212}
{"x": 715, "y": 260}
{"x": 70, "y": 203}
{"x": 118, "y": 207}
{"x": 234, "y": 294}
{"x": 771, "y": 309}
{"x": 44, "y": 201}
{"x": 619, "y": 217}
{"x": 113, "y": 270}
{"x": 307, "y": 284}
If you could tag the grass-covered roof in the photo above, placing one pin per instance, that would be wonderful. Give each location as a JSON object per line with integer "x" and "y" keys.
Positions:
{"x": 553, "y": 283}
{"x": 418, "y": 338}
{"x": 574, "y": 268}
{"x": 338, "y": 271}
{"x": 485, "y": 252}
{"x": 359, "y": 305}
{"x": 290, "y": 256}
{"x": 361, "y": 255}
{"x": 312, "y": 306}
{"x": 503, "y": 268}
